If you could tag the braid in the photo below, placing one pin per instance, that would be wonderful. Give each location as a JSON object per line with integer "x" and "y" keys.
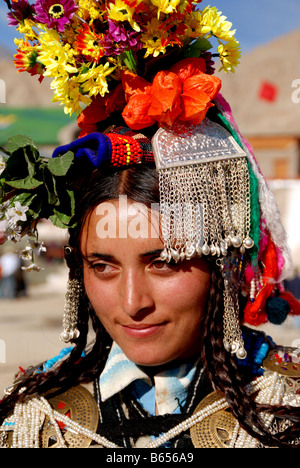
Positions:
{"x": 71, "y": 372}
{"x": 224, "y": 372}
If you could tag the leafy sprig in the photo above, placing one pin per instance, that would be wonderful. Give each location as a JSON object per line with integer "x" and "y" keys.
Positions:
{"x": 38, "y": 183}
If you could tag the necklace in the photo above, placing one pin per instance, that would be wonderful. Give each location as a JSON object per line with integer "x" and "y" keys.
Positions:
{"x": 55, "y": 419}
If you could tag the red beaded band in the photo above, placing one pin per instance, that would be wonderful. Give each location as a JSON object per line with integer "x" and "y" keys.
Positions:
{"x": 129, "y": 147}
{"x": 125, "y": 150}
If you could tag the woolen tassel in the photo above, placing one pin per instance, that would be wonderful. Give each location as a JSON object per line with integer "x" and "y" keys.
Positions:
{"x": 292, "y": 301}
{"x": 277, "y": 310}
{"x": 254, "y": 312}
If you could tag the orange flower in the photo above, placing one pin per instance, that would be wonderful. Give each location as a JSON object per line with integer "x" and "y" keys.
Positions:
{"x": 134, "y": 84}
{"x": 165, "y": 98}
{"x": 135, "y": 113}
{"x": 189, "y": 67}
{"x": 182, "y": 93}
{"x": 198, "y": 92}
{"x": 100, "y": 109}
{"x": 137, "y": 93}
{"x": 25, "y": 60}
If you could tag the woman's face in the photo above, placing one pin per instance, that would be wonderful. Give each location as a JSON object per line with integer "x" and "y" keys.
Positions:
{"x": 152, "y": 309}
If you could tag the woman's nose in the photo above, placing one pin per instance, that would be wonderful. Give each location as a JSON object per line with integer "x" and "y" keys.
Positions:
{"x": 136, "y": 294}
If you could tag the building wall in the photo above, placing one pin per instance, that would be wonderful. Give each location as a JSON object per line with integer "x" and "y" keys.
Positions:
{"x": 277, "y": 156}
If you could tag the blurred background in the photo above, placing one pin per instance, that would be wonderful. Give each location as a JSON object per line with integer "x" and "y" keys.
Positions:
{"x": 264, "y": 94}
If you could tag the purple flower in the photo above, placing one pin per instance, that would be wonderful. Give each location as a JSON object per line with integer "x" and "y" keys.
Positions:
{"x": 118, "y": 39}
{"x": 55, "y": 13}
{"x": 20, "y": 11}
{"x": 207, "y": 56}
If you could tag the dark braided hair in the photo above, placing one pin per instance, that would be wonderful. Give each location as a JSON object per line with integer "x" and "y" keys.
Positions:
{"x": 227, "y": 376}
{"x": 140, "y": 184}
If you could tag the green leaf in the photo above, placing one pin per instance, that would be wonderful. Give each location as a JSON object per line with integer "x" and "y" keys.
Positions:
{"x": 20, "y": 141}
{"x": 63, "y": 215}
{"x": 60, "y": 165}
{"x": 197, "y": 47}
{"x": 50, "y": 186}
{"x": 29, "y": 183}
{"x": 25, "y": 198}
{"x": 129, "y": 60}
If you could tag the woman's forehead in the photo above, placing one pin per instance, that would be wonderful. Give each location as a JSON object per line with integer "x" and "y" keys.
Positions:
{"x": 124, "y": 219}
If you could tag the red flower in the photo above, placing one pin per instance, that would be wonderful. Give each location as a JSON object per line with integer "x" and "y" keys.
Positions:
{"x": 100, "y": 109}
{"x": 25, "y": 60}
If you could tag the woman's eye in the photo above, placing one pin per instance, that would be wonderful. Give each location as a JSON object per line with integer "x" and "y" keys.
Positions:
{"x": 102, "y": 268}
{"x": 162, "y": 265}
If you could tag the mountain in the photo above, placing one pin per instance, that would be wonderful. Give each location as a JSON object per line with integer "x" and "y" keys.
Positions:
{"x": 264, "y": 92}
{"x": 4, "y": 53}
{"x": 21, "y": 89}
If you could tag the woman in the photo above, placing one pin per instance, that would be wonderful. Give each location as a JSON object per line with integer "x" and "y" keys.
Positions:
{"x": 174, "y": 244}
{"x": 165, "y": 320}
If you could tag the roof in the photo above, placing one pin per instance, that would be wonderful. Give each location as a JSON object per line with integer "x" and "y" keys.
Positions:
{"x": 41, "y": 124}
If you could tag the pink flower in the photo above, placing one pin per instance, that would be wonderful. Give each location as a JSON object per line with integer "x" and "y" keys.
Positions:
{"x": 55, "y": 13}
{"x": 20, "y": 11}
{"x": 118, "y": 39}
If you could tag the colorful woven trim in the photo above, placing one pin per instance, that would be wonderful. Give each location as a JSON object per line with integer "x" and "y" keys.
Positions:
{"x": 129, "y": 147}
{"x": 120, "y": 147}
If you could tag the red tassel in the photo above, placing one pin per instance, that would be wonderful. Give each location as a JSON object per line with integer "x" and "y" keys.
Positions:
{"x": 254, "y": 312}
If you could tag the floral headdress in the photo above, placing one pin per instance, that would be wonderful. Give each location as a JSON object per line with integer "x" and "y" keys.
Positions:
{"x": 152, "y": 62}
{"x": 105, "y": 57}
{"x": 85, "y": 46}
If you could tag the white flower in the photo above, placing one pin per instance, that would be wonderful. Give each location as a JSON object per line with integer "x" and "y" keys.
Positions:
{"x": 14, "y": 233}
{"x": 32, "y": 267}
{"x": 4, "y": 207}
{"x": 17, "y": 213}
{"x": 2, "y": 164}
{"x": 26, "y": 254}
{"x": 37, "y": 246}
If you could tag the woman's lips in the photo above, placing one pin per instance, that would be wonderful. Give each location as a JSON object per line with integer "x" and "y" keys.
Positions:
{"x": 142, "y": 331}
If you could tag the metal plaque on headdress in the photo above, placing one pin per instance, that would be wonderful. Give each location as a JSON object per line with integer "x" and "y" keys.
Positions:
{"x": 182, "y": 145}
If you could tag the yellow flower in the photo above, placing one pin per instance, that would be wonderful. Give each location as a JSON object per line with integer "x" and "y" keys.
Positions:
{"x": 94, "y": 81}
{"x": 213, "y": 23}
{"x": 69, "y": 94}
{"x": 166, "y": 6}
{"x": 56, "y": 59}
{"x": 153, "y": 39}
{"x": 230, "y": 54}
{"x": 195, "y": 28}
{"x": 26, "y": 28}
{"x": 119, "y": 11}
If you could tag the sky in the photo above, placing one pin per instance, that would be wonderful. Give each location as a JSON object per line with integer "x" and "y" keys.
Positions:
{"x": 256, "y": 21}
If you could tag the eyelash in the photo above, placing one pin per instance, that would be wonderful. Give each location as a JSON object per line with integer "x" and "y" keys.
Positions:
{"x": 157, "y": 263}
{"x": 97, "y": 266}
{"x": 163, "y": 263}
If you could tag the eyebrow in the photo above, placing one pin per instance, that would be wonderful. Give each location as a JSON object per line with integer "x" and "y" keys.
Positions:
{"x": 99, "y": 255}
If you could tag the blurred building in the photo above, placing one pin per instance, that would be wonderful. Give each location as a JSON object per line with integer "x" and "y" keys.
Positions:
{"x": 264, "y": 95}
{"x": 26, "y": 108}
